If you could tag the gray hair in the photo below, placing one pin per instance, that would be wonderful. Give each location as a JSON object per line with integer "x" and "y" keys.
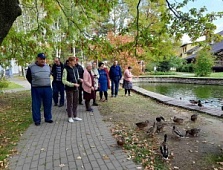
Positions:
{"x": 88, "y": 64}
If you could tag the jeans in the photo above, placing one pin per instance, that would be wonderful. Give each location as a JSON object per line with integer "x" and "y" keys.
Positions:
{"x": 41, "y": 94}
{"x": 58, "y": 87}
{"x": 115, "y": 86}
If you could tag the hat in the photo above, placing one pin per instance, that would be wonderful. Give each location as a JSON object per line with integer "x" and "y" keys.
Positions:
{"x": 41, "y": 55}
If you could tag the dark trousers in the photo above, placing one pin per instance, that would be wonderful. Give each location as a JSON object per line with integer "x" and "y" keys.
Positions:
{"x": 80, "y": 98}
{"x": 114, "y": 86}
{"x": 58, "y": 87}
{"x": 127, "y": 90}
{"x": 72, "y": 102}
{"x": 41, "y": 94}
{"x": 105, "y": 94}
{"x": 94, "y": 99}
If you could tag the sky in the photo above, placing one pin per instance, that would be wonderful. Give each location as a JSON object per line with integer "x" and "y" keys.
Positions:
{"x": 212, "y": 6}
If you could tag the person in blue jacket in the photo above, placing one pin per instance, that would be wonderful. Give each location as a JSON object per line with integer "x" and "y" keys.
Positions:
{"x": 115, "y": 75}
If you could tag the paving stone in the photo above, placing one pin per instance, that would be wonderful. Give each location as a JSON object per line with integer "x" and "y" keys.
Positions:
{"x": 48, "y": 146}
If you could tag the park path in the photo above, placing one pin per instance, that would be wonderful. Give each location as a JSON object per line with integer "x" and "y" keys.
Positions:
{"x": 82, "y": 145}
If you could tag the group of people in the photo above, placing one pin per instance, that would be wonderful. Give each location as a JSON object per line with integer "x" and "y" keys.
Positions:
{"x": 72, "y": 78}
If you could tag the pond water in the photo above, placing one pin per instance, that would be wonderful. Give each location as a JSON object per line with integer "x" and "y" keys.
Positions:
{"x": 210, "y": 95}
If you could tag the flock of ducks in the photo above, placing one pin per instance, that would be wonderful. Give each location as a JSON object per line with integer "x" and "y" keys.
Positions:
{"x": 158, "y": 127}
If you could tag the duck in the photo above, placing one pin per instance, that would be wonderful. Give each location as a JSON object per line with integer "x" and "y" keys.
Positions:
{"x": 193, "y": 117}
{"x": 199, "y": 103}
{"x": 178, "y": 120}
{"x": 164, "y": 148}
{"x": 159, "y": 119}
{"x": 194, "y": 102}
{"x": 159, "y": 126}
{"x": 120, "y": 140}
{"x": 176, "y": 132}
{"x": 142, "y": 125}
{"x": 152, "y": 129}
{"x": 193, "y": 132}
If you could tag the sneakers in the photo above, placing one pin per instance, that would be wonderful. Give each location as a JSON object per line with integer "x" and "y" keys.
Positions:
{"x": 77, "y": 119}
{"x": 70, "y": 120}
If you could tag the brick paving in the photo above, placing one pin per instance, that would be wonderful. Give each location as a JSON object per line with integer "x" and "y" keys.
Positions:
{"x": 85, "y": 144}
{"x": 82, "y": 145}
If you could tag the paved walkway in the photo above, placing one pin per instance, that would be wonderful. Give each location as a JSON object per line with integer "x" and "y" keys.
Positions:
{"x": 85, "y": 144}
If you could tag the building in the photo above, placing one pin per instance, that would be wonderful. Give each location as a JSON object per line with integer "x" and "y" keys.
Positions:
{"x": 189, "y": 52}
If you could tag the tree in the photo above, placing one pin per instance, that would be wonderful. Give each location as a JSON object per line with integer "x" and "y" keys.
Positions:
{"x": 204, "y": 63}
{"x": 9, "y": 11}
{"x": 60, "y": 25}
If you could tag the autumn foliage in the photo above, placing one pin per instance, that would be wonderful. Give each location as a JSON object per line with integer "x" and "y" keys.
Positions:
{"x": 123, "y": 52}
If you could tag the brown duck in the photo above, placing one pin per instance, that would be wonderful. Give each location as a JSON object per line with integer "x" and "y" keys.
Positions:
{"x": 160, "y": 127}
{"x": 120, "y": 140}
{"x": 193, "y": 132}
{"x": 178, "y": 120}
{"x": 193, "y": 117}
{"x": 194, "y": 102}
{"x": 142, "y": 125}
{"x": 151, "y": 130}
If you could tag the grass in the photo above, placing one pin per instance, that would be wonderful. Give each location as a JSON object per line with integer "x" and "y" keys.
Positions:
{"x": 123, "y": 112}
{"x": 12, "y": 85}
{"x": 183, "y": 74}
{"x": 15, "y": 118}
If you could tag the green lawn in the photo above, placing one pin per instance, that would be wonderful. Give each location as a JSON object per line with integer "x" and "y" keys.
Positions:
{"x": 184, "y": 74}
{"x": 13, "y": 86}
{"x": 15, "y": 118}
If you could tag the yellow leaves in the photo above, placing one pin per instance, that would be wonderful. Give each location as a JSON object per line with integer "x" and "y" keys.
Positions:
{"x": 105, "y": 157}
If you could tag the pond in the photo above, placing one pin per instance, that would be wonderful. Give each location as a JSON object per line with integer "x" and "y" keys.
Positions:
{"x": 210, "y": 95}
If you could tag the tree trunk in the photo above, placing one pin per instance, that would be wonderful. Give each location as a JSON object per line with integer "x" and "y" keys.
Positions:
{"x": 9, "y": 11}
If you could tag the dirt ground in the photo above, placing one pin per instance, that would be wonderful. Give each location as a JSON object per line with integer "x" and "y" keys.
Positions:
{"x": 189, "y": 153}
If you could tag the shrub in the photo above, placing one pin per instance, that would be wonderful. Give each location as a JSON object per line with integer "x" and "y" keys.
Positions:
{"x": 186, "y": 68}
{"x": 3, "y": 83}
{"x": 204, "y": 63}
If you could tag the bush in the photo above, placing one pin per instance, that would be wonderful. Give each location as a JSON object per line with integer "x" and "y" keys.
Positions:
{"x": 186, "y": 68}
{"x": 3, "y": 83}
{"x": 164, "y": 66}
{"x": 204, "y": 63}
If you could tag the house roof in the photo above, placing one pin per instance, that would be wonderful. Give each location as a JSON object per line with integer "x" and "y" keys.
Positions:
{"x": 215, "y": 48}
{"x": 193, "y": 49}
{"x": 221, "y": 32}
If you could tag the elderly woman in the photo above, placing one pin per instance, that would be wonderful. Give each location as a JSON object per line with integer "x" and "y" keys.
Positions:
{"x": 103, "y": 82}
{"x": 88, "y": 86}
{"x": 128, "y": 80}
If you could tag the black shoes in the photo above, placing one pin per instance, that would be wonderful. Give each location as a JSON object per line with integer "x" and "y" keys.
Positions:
{"x": 89, "y": 110}
{"x": 55, "y": 104}
{"x": 94, "y": 104}
{"x": 37, "y": 123}
{"x": 49, "y": 121}
{"x": 80, "y": 103}
{"x": 60, "y": 105}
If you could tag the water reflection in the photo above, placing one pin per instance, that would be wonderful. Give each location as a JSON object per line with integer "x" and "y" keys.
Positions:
{"x": 210, "y": 95}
